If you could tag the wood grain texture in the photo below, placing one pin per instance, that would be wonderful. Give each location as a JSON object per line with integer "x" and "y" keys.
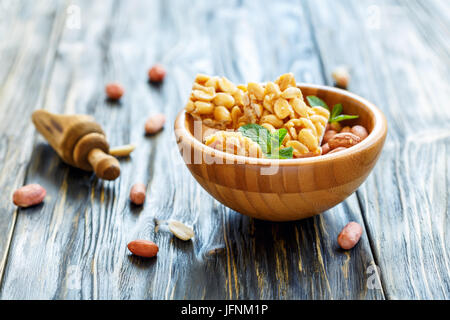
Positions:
{"x": 285, "y": 190}
{"x": 74, "y": 245}
{"x": 403, "y": 68}
{"x": 79, "y": 141}
{"x": 29, "y": 33}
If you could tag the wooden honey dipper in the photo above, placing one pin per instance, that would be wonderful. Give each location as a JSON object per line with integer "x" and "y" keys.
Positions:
{"x": 79, "y": 141}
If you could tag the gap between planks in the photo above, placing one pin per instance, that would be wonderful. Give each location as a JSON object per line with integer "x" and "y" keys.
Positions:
{"x": 55, "y": 38}
{"x": 307, "y": 9}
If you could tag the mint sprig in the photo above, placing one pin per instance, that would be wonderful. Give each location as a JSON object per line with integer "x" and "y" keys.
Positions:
{"x": 269, "y": 142}
{"x": 285, "y": 153}
{"x": 317, "y": 102}
{"x": 258, "y": 134}
{"x": 337, "y": 110}
{"x": 336, "y": 113}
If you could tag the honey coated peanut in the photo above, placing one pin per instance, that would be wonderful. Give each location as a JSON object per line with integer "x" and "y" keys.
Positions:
{"x": 143, "y": 248}
{"x": 350, "y": 235}
{"x": 114, "y": 91}
{"x": 155, "y": 123}
{"x": 29, "y": 195}
{"x": 220, "y": 104}
{"x": 345, "y": 140}
{"x": 137, "y": 193}
{"x": 233, "y": 142}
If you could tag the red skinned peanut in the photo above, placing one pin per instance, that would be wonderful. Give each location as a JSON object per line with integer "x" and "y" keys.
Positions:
{"x": 350, "y": 235}
{"x": 155, "y": 123}
{"x": 360, "y": 131}
{"x": 143, "y": 248}
{"x": 29, "y": 195}
{"x": 157, "y": 73}
{"x": 137, "y": 193}
{"x": 114, "y": 91}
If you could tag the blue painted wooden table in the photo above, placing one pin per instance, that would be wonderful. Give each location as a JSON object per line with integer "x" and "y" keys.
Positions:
{"x": 58, "y": 55}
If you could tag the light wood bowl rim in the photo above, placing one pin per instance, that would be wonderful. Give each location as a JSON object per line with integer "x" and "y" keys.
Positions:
{"x": 378, "y": 133}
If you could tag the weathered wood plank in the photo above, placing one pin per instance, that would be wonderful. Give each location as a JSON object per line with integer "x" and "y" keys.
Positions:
{"x": 29, "y": 32}
{"x": 435, "y": 34}
{"x": 400, "y": 63}
{"x": 74, "y": 246}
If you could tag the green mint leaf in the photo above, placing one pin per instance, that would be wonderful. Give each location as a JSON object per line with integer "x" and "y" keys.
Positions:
{"x": 343, "y": 117}
{"x": 269, "y": 143}
{"x": 337, "y": 110}
{"x": 285, "y": 153}
{"x": 277, "y": 138}
{"x": 336, "y": 115}
{"x": 316, "y": 102}
{"x": 258, "y": 134}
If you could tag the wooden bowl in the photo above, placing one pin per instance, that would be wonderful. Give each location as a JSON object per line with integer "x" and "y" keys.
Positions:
{"x": 284, "y": 190}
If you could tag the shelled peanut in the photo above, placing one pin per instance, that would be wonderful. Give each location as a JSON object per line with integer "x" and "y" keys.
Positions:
{"x": 350, "y": 235}
{"x": 29, "y": 195}
{"x": 137, "y": 193}
{"x": 341, "y": 77}
{"x": 114, "y": 91}
{"x": 155, "y": 123}
{"x": 156, "y": 73}
{"x": 220, "y": 104}
{"x": 143, "y": 248}
{"x": 335, "y": 141}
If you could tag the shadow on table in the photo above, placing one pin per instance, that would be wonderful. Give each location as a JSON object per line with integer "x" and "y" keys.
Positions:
{"x": 47, "y": 169}
{"x": 140, "y": 262}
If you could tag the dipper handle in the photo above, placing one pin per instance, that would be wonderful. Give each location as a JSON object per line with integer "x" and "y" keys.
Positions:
{"x": 79, "y": 141}
{"x": 105, "y": 166}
